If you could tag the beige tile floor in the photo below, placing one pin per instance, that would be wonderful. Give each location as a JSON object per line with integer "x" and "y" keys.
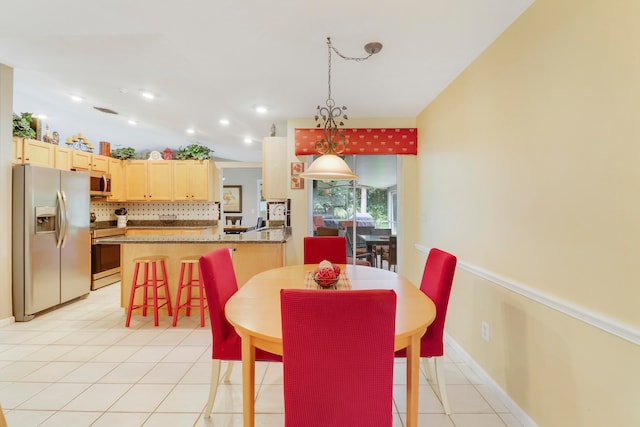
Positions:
{"x": 79, "y": 366}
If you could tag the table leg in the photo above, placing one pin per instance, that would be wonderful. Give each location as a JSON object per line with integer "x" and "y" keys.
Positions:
{"x": 248, "y": 381}
{"x": 413, "y": 379}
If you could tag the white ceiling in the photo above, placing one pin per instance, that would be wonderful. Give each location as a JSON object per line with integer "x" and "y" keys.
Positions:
{"x": 207, "y": 59}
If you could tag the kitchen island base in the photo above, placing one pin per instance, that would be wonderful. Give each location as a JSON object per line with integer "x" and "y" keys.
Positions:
{"x": 248, "y": 260}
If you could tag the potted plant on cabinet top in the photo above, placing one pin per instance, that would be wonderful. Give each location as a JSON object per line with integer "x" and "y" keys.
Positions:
{"x": 126, "y": 153}
{"x": 193, "y": 152}
{"x": 22, "y": 126}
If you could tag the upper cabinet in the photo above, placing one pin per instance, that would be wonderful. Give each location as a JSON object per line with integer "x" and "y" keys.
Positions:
{"x": 100, "y": 163}
{"x": 38, "y": 153}
{"x": 149, "y": 180}
{"x": 16, "y": 157}
{"x": 274, "y": 168}
{"x": 192, "y": 180}
{"x": 116, "y": 169}
{"x": 63, "y": 158}
{"x": 80, "y": 160}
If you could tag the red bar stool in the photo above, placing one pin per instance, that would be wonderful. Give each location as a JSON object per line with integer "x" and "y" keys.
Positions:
{"x": 189, "y": 282}
{"x": 154, "y": 282}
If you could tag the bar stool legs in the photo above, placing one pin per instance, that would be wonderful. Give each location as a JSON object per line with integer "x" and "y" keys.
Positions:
{"x": 188, "y": 283}
{"x": 154, "y": 282}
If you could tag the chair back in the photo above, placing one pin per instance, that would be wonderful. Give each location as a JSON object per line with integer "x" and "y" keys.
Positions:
{"x": 338, "y": 357}
{"x": 381, "y": 232}
{"x": 331, "y": 248}
{"x": 393, "y": 250}
{"x": 233, "y": 220}
{"x": 436, "y": 283}
{"x": 219, "y": 279}
{"x": 327, "y": 231}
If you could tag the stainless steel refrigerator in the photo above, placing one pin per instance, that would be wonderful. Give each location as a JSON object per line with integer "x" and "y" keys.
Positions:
{"x": 51, "y": 238}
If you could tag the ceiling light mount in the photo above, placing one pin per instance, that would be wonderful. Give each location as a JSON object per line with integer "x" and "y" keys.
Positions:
{"x": 373, "y": 47}
{"x": 330, "y": 117}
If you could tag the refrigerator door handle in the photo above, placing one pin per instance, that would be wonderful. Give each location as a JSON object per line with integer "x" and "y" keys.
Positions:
{"x": 66, "y": 220}
{"x": 60, "y": 221}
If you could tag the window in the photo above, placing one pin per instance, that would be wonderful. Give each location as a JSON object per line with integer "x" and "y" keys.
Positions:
{"x": 375, "y": 201}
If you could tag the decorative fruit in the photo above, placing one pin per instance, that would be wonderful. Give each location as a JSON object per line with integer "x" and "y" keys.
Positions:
{"x": 326, "y": 275}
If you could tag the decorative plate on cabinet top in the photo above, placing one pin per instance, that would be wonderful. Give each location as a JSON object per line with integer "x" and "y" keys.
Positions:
{"x": 155, "y": 155}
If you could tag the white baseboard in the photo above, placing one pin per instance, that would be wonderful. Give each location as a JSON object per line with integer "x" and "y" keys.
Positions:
{"x": 484, "y": 378}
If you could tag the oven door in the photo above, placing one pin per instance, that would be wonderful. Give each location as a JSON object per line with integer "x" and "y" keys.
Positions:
{"x": 105, "y": 265}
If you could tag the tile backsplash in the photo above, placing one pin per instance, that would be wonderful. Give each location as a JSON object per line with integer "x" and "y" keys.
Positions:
{"x": 153, "y": 211}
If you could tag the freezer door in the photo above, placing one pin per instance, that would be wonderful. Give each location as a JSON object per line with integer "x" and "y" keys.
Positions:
{"x": 38, "y": 280}
{"x": 75, "y": 259}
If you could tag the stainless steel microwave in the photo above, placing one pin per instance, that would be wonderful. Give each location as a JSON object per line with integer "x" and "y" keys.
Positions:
{"x": 100, "y": 184}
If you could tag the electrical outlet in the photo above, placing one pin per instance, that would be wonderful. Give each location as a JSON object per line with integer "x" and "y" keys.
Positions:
{"x": 486, "y": 332}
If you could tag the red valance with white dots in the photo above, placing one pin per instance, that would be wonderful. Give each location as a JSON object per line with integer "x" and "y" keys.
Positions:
{"x": 363, "y": 141}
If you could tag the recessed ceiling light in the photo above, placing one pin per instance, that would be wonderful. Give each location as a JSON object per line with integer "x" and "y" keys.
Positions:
{"x": 148, "y": 95}
{"x": 248, "y": 140}
{"x": 77, "y": 98}
{"x": 191, "y": 131}
{"x": 261, "y": 109}
{"x": 132, "y": 122}
{"x": 224, "y": 122}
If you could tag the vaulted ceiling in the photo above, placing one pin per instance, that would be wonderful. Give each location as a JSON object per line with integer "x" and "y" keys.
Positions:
{"x": 210, "y": 60}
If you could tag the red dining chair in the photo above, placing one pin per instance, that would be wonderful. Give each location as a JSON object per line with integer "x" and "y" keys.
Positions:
{"x": 319, "y": 248}
{"x": 338, "y": 357}
{"x": 219, "y": 278}
{"x": 437, "y": 279}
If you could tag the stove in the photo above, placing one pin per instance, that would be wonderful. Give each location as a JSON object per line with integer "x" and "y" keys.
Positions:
{"x": 105, "y": 259}
{"x": 106, "y": 231}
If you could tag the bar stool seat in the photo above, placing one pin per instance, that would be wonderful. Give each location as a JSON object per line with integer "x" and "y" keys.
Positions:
{"x": 188, "y": 283}
{"x": 151, "y": 281}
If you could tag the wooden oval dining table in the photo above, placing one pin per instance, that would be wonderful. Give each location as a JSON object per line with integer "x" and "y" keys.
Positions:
{"x": 254, "y": 311}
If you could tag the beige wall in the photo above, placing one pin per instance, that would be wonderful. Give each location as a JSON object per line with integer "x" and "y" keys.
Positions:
{"x": 6, "y": 130}
{"x": 529, "y": 169}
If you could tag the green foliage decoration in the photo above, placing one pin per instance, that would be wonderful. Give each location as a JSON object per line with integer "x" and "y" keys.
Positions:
{"x": 126, "y": 153}
{"x": 22, "y": 125}
{"x": 194, "y": 152}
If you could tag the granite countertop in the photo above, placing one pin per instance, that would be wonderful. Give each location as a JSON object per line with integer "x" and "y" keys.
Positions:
{"x": 273, "y": 235}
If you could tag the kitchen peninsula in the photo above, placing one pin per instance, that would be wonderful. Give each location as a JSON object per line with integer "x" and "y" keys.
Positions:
{"x": 252, "y": 253}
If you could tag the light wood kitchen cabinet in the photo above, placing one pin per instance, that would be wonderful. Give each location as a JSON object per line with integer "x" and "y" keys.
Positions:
{"x": 80, "y": 160}
{"x": 38, "y": 153}
{"x": 100, "y": 163}
{"x": 62, "y": 158}
{"x": 117, "y": 172}
{"x": 17, "y": 147}
{"x": 148, "y": 181}
{"x": 192, "y": 180}
{"x": 274, "y": 168}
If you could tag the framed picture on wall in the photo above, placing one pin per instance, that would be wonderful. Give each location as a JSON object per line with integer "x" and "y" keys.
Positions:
{"x": 232, "y": 198}
{"x": 297, "y": 182}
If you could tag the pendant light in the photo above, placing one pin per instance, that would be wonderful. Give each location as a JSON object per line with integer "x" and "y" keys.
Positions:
{"x": 330, "y": 166}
